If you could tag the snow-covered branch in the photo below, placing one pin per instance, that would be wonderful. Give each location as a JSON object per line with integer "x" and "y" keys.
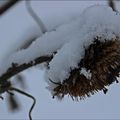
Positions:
{"x": 15, "y": 68}
{"x": 83, "y": 56}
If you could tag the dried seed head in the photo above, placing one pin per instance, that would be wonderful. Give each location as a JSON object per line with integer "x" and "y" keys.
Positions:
{"x": 102, "y": 59}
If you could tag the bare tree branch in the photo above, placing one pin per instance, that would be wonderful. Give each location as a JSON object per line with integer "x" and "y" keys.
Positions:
{"x": 8, "y": 4}
{"x": 15, "y": 69}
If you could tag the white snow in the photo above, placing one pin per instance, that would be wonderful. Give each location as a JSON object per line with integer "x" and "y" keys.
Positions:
{"x": 95, "y": 21}
{"x": 69, "y": 41}
{"x": 86, "y": 73}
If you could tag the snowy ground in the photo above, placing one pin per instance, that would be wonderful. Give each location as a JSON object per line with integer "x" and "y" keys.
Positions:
{"x": 14, "y": 28}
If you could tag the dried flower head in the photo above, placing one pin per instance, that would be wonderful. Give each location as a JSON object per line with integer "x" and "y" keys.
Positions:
{"x": 102, "y": 60}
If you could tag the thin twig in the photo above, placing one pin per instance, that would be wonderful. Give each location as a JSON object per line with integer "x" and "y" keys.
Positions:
{"x": 28, "y": 95}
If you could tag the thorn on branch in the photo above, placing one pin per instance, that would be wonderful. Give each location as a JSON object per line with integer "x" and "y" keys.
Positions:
{"x": 105, "y": 90}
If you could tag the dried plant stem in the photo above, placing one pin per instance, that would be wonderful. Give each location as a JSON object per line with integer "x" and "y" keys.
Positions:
{"x": 28, "y": 95}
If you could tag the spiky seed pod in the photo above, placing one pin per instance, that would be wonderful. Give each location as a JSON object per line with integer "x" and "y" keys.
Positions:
{"x": 102, "y": 59}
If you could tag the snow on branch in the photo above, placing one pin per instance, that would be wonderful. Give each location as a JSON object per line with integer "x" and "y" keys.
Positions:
{"x": 83, "y": 56}
{"x": 15, "y": 68}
